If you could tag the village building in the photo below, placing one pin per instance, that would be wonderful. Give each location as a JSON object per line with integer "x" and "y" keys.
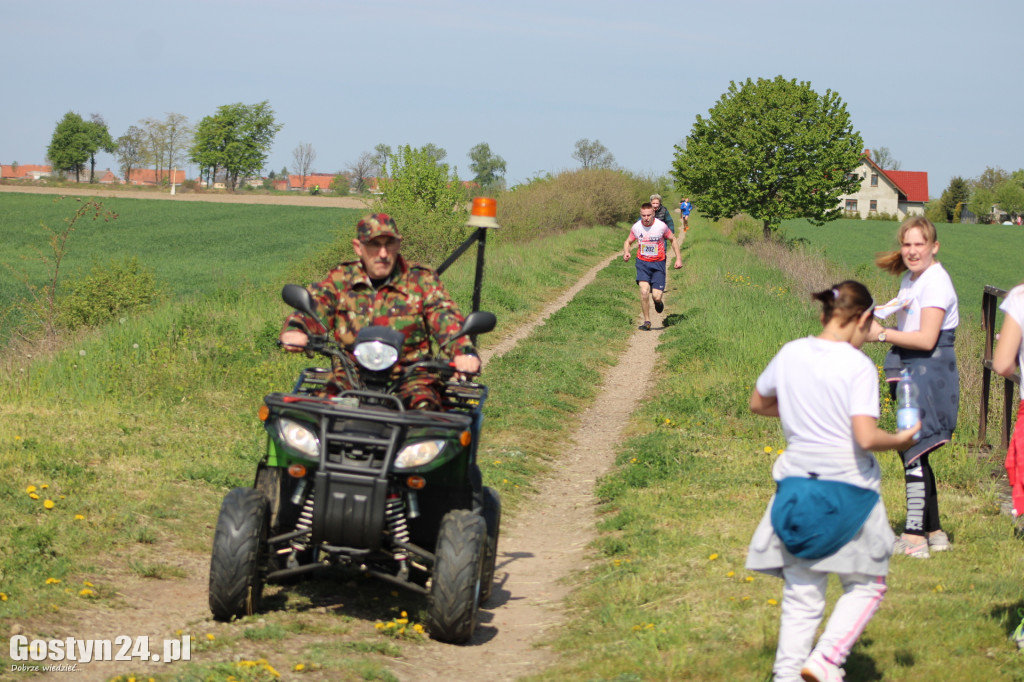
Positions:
{"x": 893, "y": 193}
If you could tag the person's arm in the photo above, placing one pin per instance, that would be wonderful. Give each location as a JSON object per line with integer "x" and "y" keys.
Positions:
{"x": 1004, "y": 359}
{"x": 870, "y": 437}
{"x": 923, "y": 339}
{"x": 766, "y": 406}
{"x": 675, "y": 249}
{"x": 626, "y": 246}
{"x": 668, "y": 221}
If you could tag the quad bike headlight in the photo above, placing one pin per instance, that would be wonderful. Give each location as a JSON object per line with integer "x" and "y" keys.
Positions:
{"x": 375, "y": 355}
{"x": 299, "y": 437}
{"x": 418, "y": 454}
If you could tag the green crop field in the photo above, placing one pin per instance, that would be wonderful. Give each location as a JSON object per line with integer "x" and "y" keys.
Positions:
{"x": 974, "y": 255}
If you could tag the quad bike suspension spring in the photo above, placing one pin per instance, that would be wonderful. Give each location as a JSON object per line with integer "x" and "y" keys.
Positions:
{"x": 304, "y": 523}
{"x": 394, "y": 514}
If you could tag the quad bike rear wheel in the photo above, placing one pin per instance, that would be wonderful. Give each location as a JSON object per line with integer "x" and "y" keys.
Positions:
{"x": 492, "y": 516}
{"x": 239, "y": 560}
{"x": 455, "y": 584}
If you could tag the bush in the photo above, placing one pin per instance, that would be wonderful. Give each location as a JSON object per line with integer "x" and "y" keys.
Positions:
{"x": 106, "y": 293}
{"x": 571, "y": 200}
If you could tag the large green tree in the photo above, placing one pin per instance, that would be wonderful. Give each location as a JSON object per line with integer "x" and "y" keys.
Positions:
{"x": 131, "y": 151}
{"x": 99, "y": 140}
{"x": 426, "y": 200}
{"x": 774, "y": 149}
{"x": 489, "y": 168}
{"x": 236, "y": 140}
{"x": 71, "y": 145}
{"x": 957, "y": 193}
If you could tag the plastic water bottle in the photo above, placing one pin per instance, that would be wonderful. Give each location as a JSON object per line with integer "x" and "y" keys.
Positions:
{"x": 908, "y": 410}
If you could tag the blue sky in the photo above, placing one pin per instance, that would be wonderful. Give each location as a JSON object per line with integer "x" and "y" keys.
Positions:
{"x": 935, "y": 82}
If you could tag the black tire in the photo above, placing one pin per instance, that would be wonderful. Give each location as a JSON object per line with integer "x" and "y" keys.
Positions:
{"x": 455, "y": 584}
{"x": 492, "y": 516}
{"x": 239, "y": 561}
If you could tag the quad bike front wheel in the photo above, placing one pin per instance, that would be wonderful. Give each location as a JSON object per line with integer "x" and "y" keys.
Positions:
{"x": 239, "y": 560}
{"x": 492, "y": 516}
{"x": 455, "y": 584}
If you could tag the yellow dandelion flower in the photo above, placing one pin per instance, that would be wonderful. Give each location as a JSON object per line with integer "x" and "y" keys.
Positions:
{"x": 87, "y": 583}
{"x": 744, "y": 598}
{"x": 404, "y": 614}
{"x": 497, "y": 461}
{"x": 616, "y": 562}
{"x": 3, "y": 596}
{"x": 48, "y": 504}
{"x": 44, "y": 486}
{"x": 53, "y": 581}
{"x": 379, "y": 625}
{"x": 939, "y": 588}
{"x": 730, "y": 574}
{"x": 713, "y": 556}
{"x": 504, "y": 480}
{"x": 30, "y": 489}
{"x": 299, "y": 667}
{"x": 402, "y": 631}
{"x": 767, "y": 449}
{"x": 178, "y": 633}
{"x": 86, "y": 593}
{"x": 749, "y": 579}
{"x": 418, "y": 628}
{"x": 633, "y": 461}
{"x": 390, "y": 626}
{"x": 402, "y": 621}
{"x": 79, "y": 517}
{"x": 34, "y": 496}
{"x": 210, "y": 637}
{"x": 779, "y": 451}
{"x": 772, "y": 602}
{"x": 649, "y": 626}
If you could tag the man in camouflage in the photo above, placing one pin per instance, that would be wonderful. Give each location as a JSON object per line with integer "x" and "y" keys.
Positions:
{"x": 382, "y": 288}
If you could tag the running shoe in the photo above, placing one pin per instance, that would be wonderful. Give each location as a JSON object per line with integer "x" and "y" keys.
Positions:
{"x": 920, "y": 551}
{"x": 659, "y": 306}
{"x": 817, "y": 668}
{"x": 646, "y": 326}
{"x": 939, "y": 542}
{"x": 1018, "y": 634}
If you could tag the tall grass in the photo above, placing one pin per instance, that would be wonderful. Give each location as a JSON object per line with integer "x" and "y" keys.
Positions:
{"x": 666, "y": 596}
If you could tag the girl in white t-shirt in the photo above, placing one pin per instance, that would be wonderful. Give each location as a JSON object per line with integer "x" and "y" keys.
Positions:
{"x": 827, "y": 515}
{"x": 922, "y": 343}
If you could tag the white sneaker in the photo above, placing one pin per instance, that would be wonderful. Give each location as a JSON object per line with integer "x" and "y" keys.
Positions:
{"x": 817, "y": 668}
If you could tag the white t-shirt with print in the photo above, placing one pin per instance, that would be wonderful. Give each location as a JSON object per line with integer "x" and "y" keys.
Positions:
{"x": 1013, "y": 305}
{"x": 932, "y": 289}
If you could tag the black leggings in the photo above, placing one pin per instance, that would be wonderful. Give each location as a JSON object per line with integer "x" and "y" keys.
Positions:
{"x": 922, "y": 499}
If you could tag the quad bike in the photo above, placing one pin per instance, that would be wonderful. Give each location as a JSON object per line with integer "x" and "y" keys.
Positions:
{"x": 356, "y": 479}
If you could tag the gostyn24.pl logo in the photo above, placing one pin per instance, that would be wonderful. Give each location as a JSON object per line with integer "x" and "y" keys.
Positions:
{"x": 70, "y": 651}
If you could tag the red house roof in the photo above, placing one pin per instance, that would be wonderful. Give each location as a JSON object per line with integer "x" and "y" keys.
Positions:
{"x": 912, "y": 183}
{"x": 9, "y": 171}
{"x": 147, "y": 176}
{"x": 322, "y": 179}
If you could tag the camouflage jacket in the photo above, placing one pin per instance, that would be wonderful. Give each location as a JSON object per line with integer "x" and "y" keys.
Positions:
{"x": 413, "y": 302}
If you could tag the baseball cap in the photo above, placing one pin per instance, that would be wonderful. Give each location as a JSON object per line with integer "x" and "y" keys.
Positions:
{"x": 376, "y": 225}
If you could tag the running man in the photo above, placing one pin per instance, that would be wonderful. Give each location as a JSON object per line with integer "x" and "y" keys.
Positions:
{"x": 684, "y": 208}
{"x": 651, "y": 234}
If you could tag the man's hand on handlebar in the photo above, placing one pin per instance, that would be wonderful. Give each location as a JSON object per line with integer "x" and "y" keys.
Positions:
{"x": 294, "y": 340}
{"x": 466, "y": 364}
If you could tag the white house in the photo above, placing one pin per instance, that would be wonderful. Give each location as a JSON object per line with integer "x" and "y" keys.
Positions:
{"x": 897, "y": 193}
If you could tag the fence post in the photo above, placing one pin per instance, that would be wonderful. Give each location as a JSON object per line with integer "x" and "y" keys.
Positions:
{"x": 989, "y": 301}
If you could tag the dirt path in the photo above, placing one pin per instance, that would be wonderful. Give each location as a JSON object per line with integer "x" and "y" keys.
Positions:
{"x": 539, "y": 548}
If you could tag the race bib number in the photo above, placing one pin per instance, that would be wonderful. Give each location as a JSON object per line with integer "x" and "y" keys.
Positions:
{"x": 649, "y": 249}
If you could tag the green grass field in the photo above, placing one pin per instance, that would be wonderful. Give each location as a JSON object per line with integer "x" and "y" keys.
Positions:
{"x": 974, "y": 255}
